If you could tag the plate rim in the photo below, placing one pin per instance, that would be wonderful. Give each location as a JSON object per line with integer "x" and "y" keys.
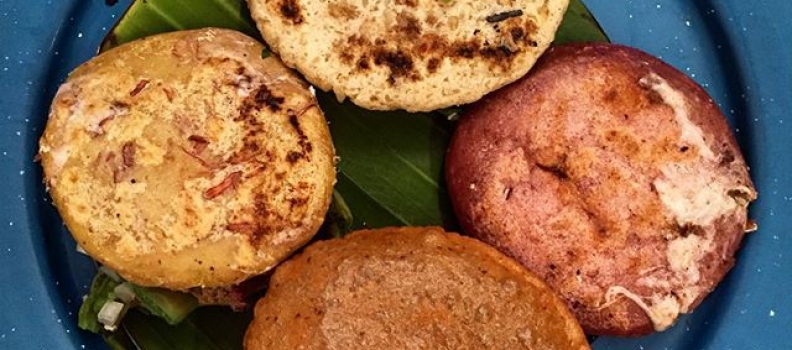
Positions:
{"x": 42, "y": 72}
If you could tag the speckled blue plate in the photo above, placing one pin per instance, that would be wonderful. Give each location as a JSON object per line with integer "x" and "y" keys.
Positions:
{"x": 736, "y": 49}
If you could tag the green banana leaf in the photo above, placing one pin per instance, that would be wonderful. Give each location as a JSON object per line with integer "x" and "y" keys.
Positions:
{"x": 390, "y": 173}
{"x": 146, "y": 18}
{"x": 207, "y": 328}
{"x": 579, "y": 25}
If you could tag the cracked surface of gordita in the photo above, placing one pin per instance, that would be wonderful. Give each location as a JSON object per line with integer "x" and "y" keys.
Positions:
{"x": 417, "y": 55}
{"x": 613, "y": 176}
{"x": 187, "y": 160}
{"x": 409, "y": 288}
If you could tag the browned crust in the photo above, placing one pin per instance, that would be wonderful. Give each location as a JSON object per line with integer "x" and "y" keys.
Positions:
{"x": 556, "y": 171}
{"x": 196, "y": 163}
{"x": 416, "y": 48}
{"x": 412, "y": 53}
{"x": 371, "y": 275}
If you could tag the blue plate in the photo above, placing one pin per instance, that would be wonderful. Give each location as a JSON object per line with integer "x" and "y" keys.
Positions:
{"x": 734, "y": 48}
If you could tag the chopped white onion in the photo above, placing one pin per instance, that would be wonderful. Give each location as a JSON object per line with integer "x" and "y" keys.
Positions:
{"x": 110, "y": 315}
{"x": 110, "y": 273}
{"x": 124, "y": 292}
